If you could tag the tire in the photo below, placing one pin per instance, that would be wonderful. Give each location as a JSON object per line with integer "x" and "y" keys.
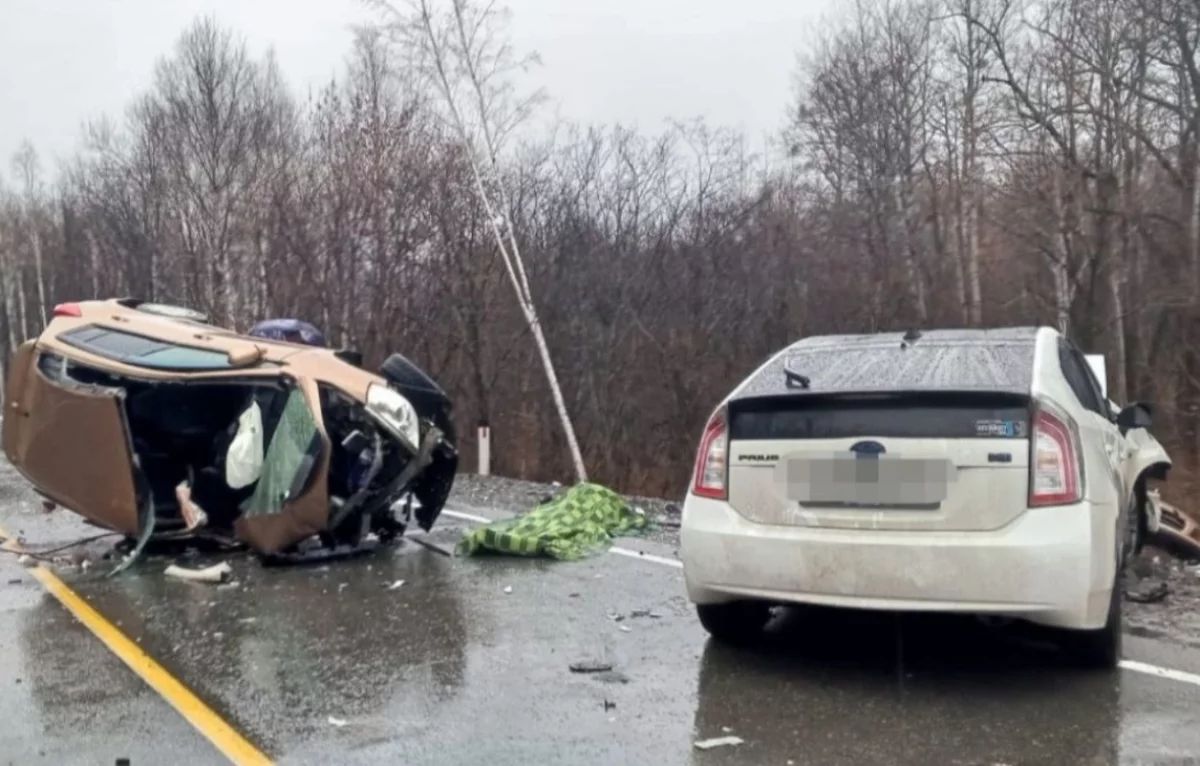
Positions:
{"x": 737, "y": 622}
{"x": 1099, "y": 649}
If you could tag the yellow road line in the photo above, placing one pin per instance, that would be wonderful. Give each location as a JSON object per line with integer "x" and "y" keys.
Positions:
{"x": 224, "y": 737}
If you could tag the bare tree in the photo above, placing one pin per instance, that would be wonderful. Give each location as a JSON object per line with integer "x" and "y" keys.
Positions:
{"x": 27, "y": 169}
{"x": 220, "y": 114}
{"x": 980, "y": 162}
{"x": 463, "y": 53}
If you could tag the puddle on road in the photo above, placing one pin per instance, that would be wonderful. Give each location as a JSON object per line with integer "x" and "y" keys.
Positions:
{"x": 449, "y": 660}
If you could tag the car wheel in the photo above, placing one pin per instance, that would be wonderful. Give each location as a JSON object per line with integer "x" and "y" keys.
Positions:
{"x": 735, "y": 622}
{"x": 1099, "y": 649}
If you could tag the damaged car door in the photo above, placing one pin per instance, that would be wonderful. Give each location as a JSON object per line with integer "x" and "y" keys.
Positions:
{"x": 1138, "y": 455}
{"x": 71, "y": 440}
{"x": 290, "y": 501}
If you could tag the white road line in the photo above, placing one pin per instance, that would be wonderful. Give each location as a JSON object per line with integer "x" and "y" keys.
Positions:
{"x": 1155, "y": 670}
{"x": 1131, "y": 665}
{"x": 467, "y": 516}
{"x": 647, "y": 557}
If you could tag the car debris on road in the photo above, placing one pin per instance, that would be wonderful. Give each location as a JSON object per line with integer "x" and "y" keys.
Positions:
{"x": 591, "y": 666}
{"x": 218, "y": 573}
{"x": 709, "y": 744}
{"x": 1175, "y": 531}
{"x": 1152, "y": 595}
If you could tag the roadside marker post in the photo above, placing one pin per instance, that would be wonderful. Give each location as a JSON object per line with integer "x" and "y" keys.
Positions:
{"x": 485, "y": 448}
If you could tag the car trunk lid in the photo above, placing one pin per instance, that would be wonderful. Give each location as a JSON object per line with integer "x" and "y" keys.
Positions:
{"x": 919, "y": 460}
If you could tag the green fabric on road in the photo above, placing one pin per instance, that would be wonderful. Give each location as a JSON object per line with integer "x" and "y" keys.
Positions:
{"x": 581, "y": 523}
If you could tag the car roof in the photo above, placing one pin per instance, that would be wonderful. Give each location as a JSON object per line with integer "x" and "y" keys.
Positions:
{"x": 999, "y": 360}
{"x": 180, "y": 330}
{"x": 300, "y": 359}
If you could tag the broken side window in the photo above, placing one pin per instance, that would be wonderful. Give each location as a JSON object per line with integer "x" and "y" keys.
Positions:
{"x": 291, "y": 456}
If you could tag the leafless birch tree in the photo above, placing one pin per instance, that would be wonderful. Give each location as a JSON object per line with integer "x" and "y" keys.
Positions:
{"x": 463, "y": 52}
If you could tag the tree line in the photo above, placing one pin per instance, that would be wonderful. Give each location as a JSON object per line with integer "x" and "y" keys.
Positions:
{"x": 946, "y": 163}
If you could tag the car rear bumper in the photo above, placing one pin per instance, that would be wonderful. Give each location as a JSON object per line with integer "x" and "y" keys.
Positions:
{"x": 1052, "y": 566}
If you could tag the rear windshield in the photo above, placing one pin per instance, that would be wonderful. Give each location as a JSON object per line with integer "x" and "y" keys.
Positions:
{"x": 140, "y": 351}
{"x": 914, "y": 416}
{"x": 942, "y": 360}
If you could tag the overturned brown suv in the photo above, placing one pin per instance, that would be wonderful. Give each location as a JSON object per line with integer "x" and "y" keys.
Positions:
{"x": 147, "y": 420}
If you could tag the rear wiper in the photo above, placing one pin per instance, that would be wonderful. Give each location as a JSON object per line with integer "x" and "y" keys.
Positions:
{"x": 794, "y": 379}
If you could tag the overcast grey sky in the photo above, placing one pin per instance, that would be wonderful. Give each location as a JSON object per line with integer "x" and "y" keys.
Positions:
{"x": 633, "y": 61}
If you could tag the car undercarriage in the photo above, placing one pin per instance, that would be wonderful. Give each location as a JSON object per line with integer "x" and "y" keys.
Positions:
{"x": 356, "y": 478}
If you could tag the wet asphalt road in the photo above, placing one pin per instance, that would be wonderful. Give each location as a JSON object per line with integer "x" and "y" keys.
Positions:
{"x": 449, "y": 669}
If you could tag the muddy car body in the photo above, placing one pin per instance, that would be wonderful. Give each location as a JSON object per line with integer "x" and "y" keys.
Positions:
{"x": 119, "y": 403}
{"x": 959, "y": 471}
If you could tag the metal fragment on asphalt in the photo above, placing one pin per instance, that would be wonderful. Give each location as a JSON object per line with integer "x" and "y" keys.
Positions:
{"x": 708, "y": 744}
{"x": 337, "y": 721}
{"x": 214, "y": 574}
{"x": 1152, "y": 595}
{"x": 590, "y": 666}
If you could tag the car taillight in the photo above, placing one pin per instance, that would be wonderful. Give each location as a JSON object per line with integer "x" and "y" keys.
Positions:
{"x": 1055, "y": 477}
{"x": 709, "y": 479}
{"x": 68, "y": 310}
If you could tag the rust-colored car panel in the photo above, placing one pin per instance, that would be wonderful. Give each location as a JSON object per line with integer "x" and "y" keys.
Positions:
{"x": 307, "y": 514}
{"x": 72, "y": 441}
{"x": 21, "y": 367}
{"x": 1178, "y": 533}
{"x": 112, "y": 406}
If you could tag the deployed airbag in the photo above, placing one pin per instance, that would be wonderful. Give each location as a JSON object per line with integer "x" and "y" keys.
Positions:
{"x": 243, "y": 461}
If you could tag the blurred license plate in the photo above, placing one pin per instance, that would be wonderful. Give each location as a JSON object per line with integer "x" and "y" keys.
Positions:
{"x": 886, "y": 480}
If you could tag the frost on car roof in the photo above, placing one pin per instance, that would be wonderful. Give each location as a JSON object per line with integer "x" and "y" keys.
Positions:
{"x": 939, "y": 360}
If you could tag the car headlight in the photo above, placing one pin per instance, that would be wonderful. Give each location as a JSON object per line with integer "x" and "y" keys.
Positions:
{"x": 396, "y": 412}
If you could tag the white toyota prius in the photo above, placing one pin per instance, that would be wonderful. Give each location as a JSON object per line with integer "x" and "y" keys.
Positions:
{"x": 975, "y": 471}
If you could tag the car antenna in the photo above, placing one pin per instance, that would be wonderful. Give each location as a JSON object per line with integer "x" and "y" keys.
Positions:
{"x": 795, "y": 379}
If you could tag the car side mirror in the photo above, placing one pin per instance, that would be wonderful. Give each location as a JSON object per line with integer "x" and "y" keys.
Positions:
{"x": 1136, "y": 415}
